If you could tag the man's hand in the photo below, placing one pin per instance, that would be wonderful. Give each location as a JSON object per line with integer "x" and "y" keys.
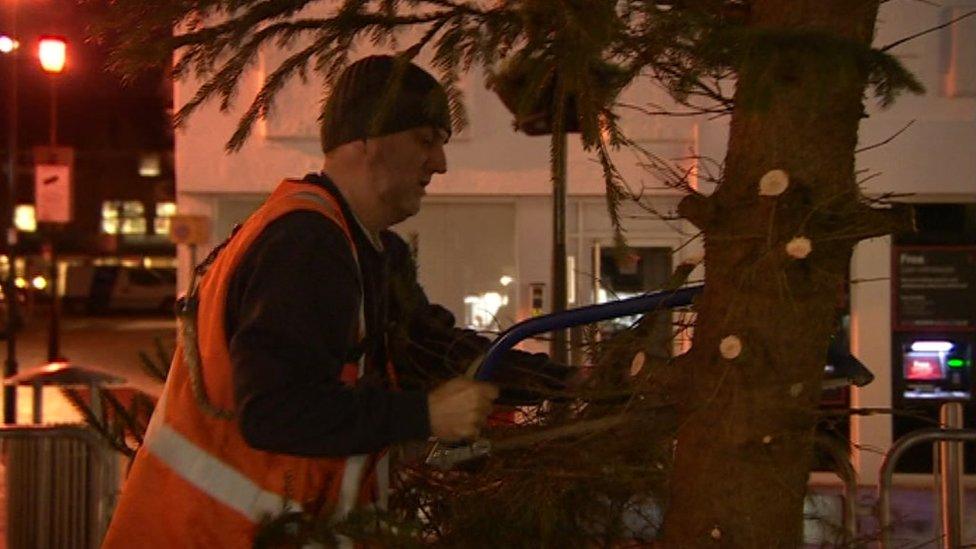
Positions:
{"x": 460, "y": 408}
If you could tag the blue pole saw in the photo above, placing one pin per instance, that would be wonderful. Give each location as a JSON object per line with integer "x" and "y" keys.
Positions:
{"x": 841, "y": 369}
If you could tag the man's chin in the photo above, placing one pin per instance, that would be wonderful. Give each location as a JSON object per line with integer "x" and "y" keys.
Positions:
{"x": 406, "y": 213}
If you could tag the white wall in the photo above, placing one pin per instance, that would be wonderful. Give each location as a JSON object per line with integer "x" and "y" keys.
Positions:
{"x": 934, "y": 157}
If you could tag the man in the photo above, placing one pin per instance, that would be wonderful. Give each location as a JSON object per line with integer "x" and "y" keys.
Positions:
{"x": 283, "y": 389}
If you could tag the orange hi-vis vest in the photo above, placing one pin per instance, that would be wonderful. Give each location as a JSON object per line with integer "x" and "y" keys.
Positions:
{"x": 195, "y": 482}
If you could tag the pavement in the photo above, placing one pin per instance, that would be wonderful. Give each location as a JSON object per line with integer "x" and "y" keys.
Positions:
{"x": 110, "y": 344}
{"x": 915, "y": 521}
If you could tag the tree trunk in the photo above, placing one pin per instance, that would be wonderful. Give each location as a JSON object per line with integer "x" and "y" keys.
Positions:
{"x": 744, "y": 448}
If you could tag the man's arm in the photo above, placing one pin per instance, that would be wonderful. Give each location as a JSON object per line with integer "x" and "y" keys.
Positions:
{"x": 291, "y": 309}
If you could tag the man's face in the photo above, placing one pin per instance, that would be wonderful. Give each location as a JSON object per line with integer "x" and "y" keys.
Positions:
{"x": 401, "y": 166}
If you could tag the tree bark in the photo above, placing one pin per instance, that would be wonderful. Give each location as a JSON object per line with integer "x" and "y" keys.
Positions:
{"x": 744, "y": 448}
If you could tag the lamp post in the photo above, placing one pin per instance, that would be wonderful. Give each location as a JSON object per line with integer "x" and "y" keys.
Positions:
{"x": 52, "y": 53}
{"x": 9, "y": 46}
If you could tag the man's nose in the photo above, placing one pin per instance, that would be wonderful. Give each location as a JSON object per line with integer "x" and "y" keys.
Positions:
{"x": 437, "y": 162}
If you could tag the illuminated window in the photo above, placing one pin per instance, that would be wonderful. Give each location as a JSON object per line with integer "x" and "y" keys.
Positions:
{"x": 149, "y": 165}
{"x": 481, "y": 311}
{"x": 123, "y": 216}
{"x": 164, "y": 211}
{"x": 24, "y": 218}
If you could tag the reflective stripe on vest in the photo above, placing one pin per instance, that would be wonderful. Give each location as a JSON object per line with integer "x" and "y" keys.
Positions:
{"x": 227, "y": 485}
{"x": 208, "y": 473}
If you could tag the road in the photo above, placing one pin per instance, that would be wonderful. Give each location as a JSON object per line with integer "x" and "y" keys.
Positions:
{"x": 108, "y": 343}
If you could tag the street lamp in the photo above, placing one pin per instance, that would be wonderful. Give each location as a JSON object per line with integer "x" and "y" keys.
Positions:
{"x": 8, "y": 46}
{"x": 52, "y": 53}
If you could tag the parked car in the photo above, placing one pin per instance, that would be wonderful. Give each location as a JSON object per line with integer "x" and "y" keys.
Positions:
{"x": 114, "y": 288}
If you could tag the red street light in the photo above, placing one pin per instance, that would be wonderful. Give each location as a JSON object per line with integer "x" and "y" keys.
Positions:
{"x": 52, "y": 52}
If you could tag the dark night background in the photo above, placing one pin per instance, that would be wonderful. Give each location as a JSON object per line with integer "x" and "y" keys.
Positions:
{"x": 111, "y": 123}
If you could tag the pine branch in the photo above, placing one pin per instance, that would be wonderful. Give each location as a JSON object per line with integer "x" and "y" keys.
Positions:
{"x": 885, "y": 141}
{"x": 698, "y": 111}
{"x": 230, "y": 32}
{"x": 613, "y": 182}
{"x": 96, "y": 423}
{"x": 150, "y": 367}
{"x": 263, "y": 100}
{"x": 128, "y": 419}
{"x": 164, "y": 355}
{"x": 574, "y": 429}
{"x": 333, "y": 37}
{"x": 909, "y": 38}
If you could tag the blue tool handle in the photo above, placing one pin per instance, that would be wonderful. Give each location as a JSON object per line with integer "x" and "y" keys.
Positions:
{"x": 667, "y": 299}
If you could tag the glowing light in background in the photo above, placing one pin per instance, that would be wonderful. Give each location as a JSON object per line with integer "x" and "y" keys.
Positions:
{"x": 8, "y": 44}
{"x": 24, "y": 218}
{"x": 52, "y": 51}
{"x": 39, "y": 282}
{"x": 932, "y": 346}
{"x": 480, "y": 311}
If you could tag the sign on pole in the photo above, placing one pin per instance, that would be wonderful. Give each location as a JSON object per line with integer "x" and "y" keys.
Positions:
{"x": 52, "y": 184}
{"x": 189, "y": 229}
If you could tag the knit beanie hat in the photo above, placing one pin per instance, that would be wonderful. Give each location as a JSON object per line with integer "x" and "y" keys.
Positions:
{"x": 380, "y": 95}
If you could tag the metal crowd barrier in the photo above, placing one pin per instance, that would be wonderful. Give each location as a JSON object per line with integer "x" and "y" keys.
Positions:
{"x": 949, "y": 474}
{"x": 61, "y": 481}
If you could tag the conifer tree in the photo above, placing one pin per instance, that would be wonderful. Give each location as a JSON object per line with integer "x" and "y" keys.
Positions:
{"x": 779, "y": 229}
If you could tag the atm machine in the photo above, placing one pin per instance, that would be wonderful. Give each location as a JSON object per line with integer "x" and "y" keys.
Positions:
{"x": 933, "y": 343}
{"x": 935, "y": 367}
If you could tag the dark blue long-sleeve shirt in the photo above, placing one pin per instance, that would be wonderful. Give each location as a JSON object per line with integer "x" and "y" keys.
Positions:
{"x": 292, "y": 305}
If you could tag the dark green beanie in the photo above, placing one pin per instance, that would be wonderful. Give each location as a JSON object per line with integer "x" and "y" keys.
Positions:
{"x": 380, "y": 95}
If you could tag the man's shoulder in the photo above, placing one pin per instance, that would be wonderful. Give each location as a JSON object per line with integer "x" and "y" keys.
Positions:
{"x": 304, "y": 221}
{"x": 305, "y": 237}
{"x": 301, "y": 228}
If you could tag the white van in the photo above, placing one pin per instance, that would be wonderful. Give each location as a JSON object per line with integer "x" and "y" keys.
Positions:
{"x": 112, "y": 288}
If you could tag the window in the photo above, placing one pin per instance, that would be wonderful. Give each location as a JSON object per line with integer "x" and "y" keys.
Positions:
{"x": 24, "y": 218}
{"x": 123, "y": 217}
{"x": 149, "y": 165}
{"x": 164, "y": 212}
{"x": 466, "y": 260}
